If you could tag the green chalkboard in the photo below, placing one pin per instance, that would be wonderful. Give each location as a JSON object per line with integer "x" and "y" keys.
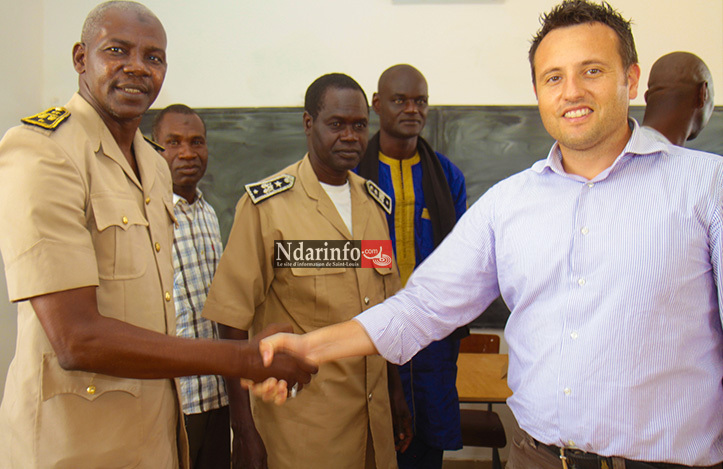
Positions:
{"x": 488, "y": 143}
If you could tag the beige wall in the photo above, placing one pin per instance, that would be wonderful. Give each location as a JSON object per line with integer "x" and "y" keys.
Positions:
{"x": 239, "y": 53}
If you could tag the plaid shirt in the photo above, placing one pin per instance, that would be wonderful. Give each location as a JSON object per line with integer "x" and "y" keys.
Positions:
{"x": 196, "y": 251}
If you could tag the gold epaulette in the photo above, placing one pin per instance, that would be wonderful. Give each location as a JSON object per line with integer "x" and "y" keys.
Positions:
{"x": 50, "y": 119}
{"x": 380, "y": 196}
{"x": 259, "y": 191}
{"x": 156, "y": 146}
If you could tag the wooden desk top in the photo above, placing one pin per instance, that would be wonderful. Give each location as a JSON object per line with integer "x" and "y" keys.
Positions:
{"x": 482, "y": 377}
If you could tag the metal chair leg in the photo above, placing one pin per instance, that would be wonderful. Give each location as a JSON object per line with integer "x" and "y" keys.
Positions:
{"x": 496, "y": 463}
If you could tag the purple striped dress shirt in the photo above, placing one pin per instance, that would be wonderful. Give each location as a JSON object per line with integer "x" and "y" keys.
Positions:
{"x": 615, "y": 337}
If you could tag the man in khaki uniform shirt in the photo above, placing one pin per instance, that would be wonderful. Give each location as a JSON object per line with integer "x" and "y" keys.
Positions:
{"x": 87, "y": 240}
{"x": 342, "y": 419}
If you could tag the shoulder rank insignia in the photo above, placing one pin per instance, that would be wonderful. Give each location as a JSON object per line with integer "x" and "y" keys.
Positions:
{"x": 259, "y": 191}
{"x": 156, "y": 146}
{"x": 380, "y": 196}
{"x": 50, "y": 119}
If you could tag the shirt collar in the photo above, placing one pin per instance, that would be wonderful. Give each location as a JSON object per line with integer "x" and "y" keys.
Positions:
{"x": 655, "y": 134}
{"x": 639, "y": 144}
{"x": 178, "y": 199}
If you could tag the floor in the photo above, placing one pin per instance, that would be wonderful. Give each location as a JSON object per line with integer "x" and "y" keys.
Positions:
{"x": 459, "y": 464}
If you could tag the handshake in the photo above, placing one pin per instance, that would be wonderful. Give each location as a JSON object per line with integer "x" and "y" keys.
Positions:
{"x": 289, "y": 360}
{"x": 282, "y": 367}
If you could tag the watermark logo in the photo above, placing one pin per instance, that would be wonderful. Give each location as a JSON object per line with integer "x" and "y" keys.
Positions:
{"x": 376, "y": 253}
{"x": 332, "y": 253}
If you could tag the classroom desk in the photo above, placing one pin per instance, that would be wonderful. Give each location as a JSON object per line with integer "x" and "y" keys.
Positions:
{"x": 482, "y": 378}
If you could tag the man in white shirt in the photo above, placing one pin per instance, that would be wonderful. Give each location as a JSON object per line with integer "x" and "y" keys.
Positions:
{"x": 608, "y": 254}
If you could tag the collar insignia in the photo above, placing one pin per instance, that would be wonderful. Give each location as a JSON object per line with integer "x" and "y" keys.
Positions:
{"x": 50, "y": 119}
{"x": 259, "y": 191}
{"x": 156, "y": 146}
{"x": 380, "y": 196}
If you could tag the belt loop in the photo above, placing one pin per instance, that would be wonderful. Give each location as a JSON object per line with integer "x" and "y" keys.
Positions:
{"x": 563, "y": 458}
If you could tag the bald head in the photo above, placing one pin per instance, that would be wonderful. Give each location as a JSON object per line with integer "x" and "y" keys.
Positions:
{"x": 399, "y": 72}
{"x": 679, "y": 96}
{"x": 94, "y": 20}
{"x": 401, "y": 103}
{"x": 678, "y": 69}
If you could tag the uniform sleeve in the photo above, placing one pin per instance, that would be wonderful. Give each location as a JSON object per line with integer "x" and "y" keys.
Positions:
{"x": 46, "y": 244}
{"x": 446, "y": 291}
{"x": 245, "y": 271}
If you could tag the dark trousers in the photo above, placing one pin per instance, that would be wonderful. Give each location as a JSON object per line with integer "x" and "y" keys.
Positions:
{"x": 526, "y": 452}
{"x": 209, "y": 439}
{"x": 419, "y": 455}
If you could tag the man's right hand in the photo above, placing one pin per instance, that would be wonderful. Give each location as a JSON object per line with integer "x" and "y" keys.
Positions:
{"x": 286, "y": 366}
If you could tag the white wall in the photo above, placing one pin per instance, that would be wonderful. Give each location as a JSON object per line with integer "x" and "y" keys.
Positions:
{"x": 248, "y": 53}
{"x": 21, "y": 42}
{"x": 238, "y": 53}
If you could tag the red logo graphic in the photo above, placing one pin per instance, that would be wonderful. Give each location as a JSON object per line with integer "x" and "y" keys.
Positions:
{"x": 376, "y": 253}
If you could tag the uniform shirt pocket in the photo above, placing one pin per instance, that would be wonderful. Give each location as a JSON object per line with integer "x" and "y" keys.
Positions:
{"x": 98, "y": 415}
{"x": 391, "y": 284}
{"x": 322, "y": 287}
{"x": 120, "y": 237}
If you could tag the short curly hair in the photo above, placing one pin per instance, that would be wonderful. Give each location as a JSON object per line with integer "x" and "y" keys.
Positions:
{"x": 574, "y": 12}
{"x": 172, "y": 109}
{"x": 313, "y": 101}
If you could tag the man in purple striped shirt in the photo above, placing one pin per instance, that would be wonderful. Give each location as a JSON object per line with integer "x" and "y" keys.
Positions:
{"x": 608, "y": 254}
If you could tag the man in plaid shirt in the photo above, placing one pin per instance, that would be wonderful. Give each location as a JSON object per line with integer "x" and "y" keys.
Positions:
{"x": 196, "y": 251}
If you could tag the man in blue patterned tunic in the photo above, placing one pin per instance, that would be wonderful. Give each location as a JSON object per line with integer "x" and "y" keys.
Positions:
{"x": 429, "y": 196}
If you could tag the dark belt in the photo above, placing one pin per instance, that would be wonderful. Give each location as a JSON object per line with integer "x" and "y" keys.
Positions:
{"x": 578, "y": 459}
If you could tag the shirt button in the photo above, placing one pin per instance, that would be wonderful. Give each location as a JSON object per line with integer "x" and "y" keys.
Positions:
{"x": 148, "y": 200}
{"x": 570, "y": 443}
{"x": 573, "y": 335}
{"x": 584, "y": 230}
{"x": 370, "y": 396}
{"x": 590, "y": 184}
{"x": 366, "y": 300}
{"x": 124, "y": 220}
{"x": 90, "y": 389}
{"x": 567, "y": 391}
{"x": 158, "y": 247}
{"x": 581, "y": 281}
{"x": 168, "y": 296}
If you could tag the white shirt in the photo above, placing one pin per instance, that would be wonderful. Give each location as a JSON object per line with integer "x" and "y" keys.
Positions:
{"x": 341, "y": 196}
{"x": 614, "y": 284}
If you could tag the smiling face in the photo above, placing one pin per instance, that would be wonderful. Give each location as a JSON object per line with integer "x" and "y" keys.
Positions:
{"x": 184, "y": 138}
{"x": 401, "y": 103}
{"x": 122, "y": 65}
{"x": 583, "y": 89}
{"x": 337, "y": 138}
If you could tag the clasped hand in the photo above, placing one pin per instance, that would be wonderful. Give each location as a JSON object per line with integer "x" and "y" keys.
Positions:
{"x": 285, "y": 368}
{"x": 275, "y": 346}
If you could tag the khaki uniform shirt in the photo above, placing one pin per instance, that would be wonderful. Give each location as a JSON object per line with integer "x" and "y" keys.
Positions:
{"x": 328, "y": 423}
{"x": 76, "y": 215}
